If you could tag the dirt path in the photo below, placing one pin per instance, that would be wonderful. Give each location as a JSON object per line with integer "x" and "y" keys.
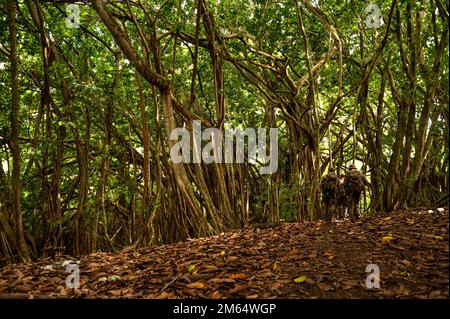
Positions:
{"x": 410, "y": 248}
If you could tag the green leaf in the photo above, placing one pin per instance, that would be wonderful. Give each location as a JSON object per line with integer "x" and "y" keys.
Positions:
{"x": 300, "y": 279}
{"x": 190, "y": 268}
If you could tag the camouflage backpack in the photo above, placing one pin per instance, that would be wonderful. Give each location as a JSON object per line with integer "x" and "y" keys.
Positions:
{"x": 353, "y": 182}
{"x": 329, "y": 183}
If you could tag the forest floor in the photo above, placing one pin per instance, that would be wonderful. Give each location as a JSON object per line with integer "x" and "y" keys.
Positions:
{"x": 291, "y": 260}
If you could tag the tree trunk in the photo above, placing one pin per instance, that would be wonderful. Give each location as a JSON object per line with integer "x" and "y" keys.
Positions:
{"x": 14, "y": 140}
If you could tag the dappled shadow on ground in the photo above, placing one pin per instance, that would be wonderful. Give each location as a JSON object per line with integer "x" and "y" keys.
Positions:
{"x": 293, "y": 260}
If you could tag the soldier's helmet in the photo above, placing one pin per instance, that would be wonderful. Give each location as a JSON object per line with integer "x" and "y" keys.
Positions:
{"x": 352, "y": 167}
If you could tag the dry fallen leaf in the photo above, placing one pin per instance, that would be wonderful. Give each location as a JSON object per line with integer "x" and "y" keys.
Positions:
{"x": 231, "y": 259}
{"x": 197, "y": 285}
{"x": 164, "y": 295}
{"x": 406, "y": 262}
{"x": 293, "y": 252}
{"x": 237, "y": 288}
{"x": 276, "y": 266}
{"x": 276, "y": 286}
{"x": 216, "y": 295}
{"x": 189, "y": 292}
{"x": 264, "y": 273}
{"x": 221, "y": 280}
{"x": 387, "y": 239}
{"x": 348, "y": 284}
{"x": 62, "y": 291}
{"x": 325, "y": 287}
{"x": 238, "y": 276}
{"x": 329, "y": 256}
{"x": 22, "y": 288}
{"x": 435, "y": 294}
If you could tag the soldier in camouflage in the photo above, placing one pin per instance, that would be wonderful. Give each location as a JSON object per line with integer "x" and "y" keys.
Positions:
{"x": 328, "y": 188}
{"x": 354, "y": 184}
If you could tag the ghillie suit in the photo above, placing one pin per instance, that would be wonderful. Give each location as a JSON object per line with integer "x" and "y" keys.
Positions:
{"x": 354, "y": 183}
{"x": 328, "y": 188}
